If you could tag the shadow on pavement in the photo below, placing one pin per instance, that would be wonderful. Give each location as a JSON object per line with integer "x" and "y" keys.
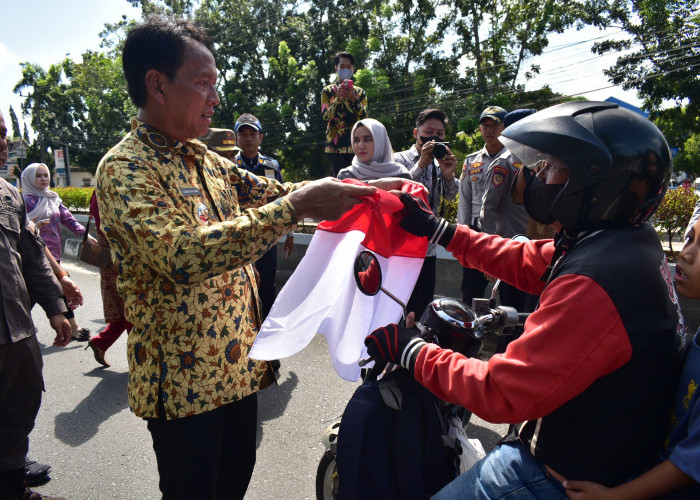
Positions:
{"x": 272, "y": 402}
{"x": 107, "y": 398}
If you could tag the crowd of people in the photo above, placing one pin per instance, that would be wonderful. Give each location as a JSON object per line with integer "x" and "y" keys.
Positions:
{"x": 192, "y": 216}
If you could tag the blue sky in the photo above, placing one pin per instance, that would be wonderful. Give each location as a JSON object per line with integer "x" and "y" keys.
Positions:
{"x": 49, "y": 33}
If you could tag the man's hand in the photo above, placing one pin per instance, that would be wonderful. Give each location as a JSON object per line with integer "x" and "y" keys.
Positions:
{"x": 419, "y": 220}
{"x": 73, "y": 295}
{"x": 327, "y": 199}
{"x": 447, "y": 165}
{"x": 288, "y": 246}
{"x": 63, "y": 330}
{"x": 426, "y": 154}
{"x": 395, "y": 344}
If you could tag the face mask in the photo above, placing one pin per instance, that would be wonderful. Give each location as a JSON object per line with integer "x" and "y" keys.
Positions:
{"x": 345, "y": 73}
{"x": 539, "y": 200}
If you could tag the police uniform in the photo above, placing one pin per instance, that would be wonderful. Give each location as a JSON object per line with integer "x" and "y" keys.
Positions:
{"x": 264, "y": 166}
{"x": 472, "y": 186}
{"x": 499, "y": 214}
{"x": 25, "y": 273}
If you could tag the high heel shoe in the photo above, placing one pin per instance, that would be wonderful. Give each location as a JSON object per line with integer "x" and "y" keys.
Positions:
{"x": 99, "y": 353}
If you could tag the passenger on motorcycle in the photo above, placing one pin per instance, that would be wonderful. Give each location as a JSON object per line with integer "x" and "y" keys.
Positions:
{"x": 591, "y": 379}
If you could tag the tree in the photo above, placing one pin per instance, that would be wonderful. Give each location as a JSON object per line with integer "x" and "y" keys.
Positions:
{"x": 104, "y": 112}
{"x": 15, "y": 124}
{"x": 675, "y": 211}
{"x": 664, "y": 49}
{"x": 49, "y": 103}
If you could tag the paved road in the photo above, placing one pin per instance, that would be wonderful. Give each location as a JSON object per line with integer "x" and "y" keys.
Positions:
{"x": 99, "y": 450}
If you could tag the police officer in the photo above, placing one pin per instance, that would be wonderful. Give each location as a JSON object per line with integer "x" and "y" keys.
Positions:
{"x": 502, "y": 216}
{"x": 249, "y": 136}
{"x": 472, "y": 185}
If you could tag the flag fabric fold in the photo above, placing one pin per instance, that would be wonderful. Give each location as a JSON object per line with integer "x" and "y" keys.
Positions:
{"x": 322, "y": 296}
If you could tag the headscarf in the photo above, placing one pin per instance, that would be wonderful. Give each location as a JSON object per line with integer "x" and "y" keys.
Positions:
{"x": 49, "y": 202}
{"x": 382, "y": 163}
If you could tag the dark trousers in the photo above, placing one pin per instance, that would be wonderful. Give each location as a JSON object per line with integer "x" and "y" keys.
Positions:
{"x": 207, "y": 456}
{"x": 424, "y": 290}
{"x": 473, "y": 285}
{"x": 338, "y": 162}
{"x": 267, "y": 269}
{"x": 21, "y": 385}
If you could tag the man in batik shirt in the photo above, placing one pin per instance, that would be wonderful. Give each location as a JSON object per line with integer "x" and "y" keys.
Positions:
{"x": 184, "y": 226}
{"x": 342, "y": 104}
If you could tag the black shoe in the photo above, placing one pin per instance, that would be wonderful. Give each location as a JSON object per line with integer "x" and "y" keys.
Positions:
{"x": 276, "y": 367}
{"x": 36, "y": 474}
{"x": 81, "y": 335}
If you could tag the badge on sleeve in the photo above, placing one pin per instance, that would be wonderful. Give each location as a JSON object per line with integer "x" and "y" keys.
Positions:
{"x": 499, "y": 175}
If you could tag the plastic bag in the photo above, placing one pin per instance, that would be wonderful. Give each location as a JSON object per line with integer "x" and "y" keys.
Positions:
{"x": 472, "y": 449}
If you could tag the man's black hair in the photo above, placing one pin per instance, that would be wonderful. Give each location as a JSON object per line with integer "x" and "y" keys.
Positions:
{"x": 427, "y": 114}
{"x": 158, "y": 43}
{"x": 346, "y": 55}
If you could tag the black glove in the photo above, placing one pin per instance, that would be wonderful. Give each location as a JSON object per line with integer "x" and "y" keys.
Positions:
{"x": 418, "y": 219}
{"x": 395, "y": 344}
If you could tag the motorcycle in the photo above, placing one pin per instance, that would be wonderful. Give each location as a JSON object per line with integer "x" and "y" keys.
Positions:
{"x": 446, "y": 322}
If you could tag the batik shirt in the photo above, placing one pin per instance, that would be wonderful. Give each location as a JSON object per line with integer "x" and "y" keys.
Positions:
{"x": 340, "y": 116}
{"x": 183, "y": 225}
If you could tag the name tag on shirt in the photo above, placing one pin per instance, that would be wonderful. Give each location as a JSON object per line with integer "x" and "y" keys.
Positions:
{"x": 269, "y": 173}
{"x": 191, "y": 191}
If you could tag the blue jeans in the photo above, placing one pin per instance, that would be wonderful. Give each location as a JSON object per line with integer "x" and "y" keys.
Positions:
{"x": 509, "y": 471}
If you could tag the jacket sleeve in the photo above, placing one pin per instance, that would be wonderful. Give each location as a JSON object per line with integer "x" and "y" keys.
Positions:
{"x": 562, "y": 351}
{"x": 493, "y": 194}
{"x": 360, "y": 104}
{"x": 450, "y": 188}
{"x": 41, "y": 282}
{"x": 70, "y": 222}
{"x": 464, "y": 205}
{"x": 329, "y": 103}
{"x": 140, "y": 216}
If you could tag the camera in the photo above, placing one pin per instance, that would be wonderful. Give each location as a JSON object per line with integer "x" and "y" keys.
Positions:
{"x": 440, "y": 150}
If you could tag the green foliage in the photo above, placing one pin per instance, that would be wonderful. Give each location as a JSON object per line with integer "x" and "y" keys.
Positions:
{"x": 275, "y": 57}
{"x": 75, "y": 198}
{"x": 675, "y": 211}
{"x": 688, "y": 160}
{"x": 16, "y": 132}
{"x": 663, "y": 58}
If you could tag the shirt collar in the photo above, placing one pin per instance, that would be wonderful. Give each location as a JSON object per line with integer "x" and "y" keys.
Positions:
{"x": 163, "y": 143}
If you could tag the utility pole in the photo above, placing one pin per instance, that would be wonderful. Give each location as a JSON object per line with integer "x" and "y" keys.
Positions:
{"x": 67, "y": 164}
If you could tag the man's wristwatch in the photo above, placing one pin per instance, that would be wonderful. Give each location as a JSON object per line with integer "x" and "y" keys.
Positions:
{"x": 61, "y": 274}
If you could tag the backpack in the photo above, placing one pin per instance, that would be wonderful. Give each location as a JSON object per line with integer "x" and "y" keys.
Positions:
{"x": 393, "y": 443}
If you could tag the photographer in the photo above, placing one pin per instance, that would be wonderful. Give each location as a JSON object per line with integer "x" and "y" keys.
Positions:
{"x": 342, "y": 105}
{"x": 431, "y": 163}
{"x": 472, "y": 186}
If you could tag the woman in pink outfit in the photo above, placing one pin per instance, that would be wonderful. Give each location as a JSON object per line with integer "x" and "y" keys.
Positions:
{"x": 46, "y": 210}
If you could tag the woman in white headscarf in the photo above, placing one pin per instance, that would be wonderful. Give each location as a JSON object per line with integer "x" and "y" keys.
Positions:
{"x": 45, "y": 209}
{"x": 374, "y": 157}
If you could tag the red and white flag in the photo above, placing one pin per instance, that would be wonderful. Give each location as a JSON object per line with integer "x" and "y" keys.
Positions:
{"x": 322, "y": 296}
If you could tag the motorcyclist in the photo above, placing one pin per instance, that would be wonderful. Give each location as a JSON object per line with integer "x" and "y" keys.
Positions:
{"x": 590, "y": 379}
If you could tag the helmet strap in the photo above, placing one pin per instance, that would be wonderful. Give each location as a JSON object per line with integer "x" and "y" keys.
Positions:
{"x": 562, "y": 243}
